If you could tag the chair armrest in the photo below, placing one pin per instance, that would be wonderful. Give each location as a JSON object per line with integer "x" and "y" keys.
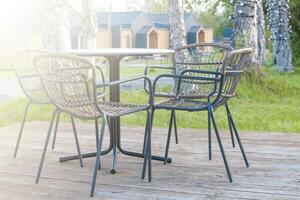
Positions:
{"x": 146, "y": 79}
{"x": 156, "y": 67}
{"x": 112, "y": 83}
{"x": 101, "y": 73}
{"x": 103, "y": 92}
{"x": 200, "y": 72}
{"x": 180, "y": 77}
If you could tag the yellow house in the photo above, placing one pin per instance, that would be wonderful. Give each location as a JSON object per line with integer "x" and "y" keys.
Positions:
{"x": 163, "y": 38}
{"x": 126, "y": 38}
{"x": 205, "y": 35}
{"x": 104, "y": 38}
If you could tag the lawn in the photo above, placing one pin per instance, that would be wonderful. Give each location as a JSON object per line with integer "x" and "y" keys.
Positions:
{"x": 268, "y": 103}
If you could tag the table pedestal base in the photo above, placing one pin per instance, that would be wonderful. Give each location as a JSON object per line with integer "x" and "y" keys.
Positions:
{"x": 113, "y": 169}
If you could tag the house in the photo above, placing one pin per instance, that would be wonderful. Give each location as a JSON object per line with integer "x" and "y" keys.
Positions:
{"x": 122, "y": 27}
{"x": 127, "y": 30}
{"x": 142, "y": 30}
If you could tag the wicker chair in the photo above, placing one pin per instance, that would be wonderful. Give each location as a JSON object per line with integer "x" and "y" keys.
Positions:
{"x": 30, "y": 83}
{"x": 71, "y": 86}
{"x": 234, "y": 70}
{"x": 200, "y": 90}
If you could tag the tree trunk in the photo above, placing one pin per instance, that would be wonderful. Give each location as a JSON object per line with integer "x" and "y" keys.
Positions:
{"x": 245, "y": 28}
{"x": 88, "y": 31}
{"x": 56, "y": 30}
{"x": 280, "y": 36}
{"x": 260, "y": 16}
{"x": 177, "y": 26}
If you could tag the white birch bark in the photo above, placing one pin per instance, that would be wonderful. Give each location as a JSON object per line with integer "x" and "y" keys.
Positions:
{"x": 55, "y": 25}
{"x": 177, "y": 27}
{"x": 260, "y": 16}
{"x": 245, "y": 27}
{"x": 280, "y": 36}
{"x": 89, "y": 30}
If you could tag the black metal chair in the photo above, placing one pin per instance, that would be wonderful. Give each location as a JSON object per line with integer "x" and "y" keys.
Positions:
{"x": 71, "y": 85}
{"x": 204, "y": 56}
{"x": 171, "y": 69}
{"x": 200, "y": 90}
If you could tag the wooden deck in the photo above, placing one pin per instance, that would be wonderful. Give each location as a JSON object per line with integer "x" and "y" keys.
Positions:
{"x": 274, "y": 171}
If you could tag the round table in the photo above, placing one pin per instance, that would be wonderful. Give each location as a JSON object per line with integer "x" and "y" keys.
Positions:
{"x": 114, "y": 57}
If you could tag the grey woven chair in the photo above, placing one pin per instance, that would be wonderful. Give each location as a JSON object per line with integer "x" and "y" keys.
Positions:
{"x": 200, "y": 90}
{"x": 71, "y": 85}
{"x": 234, "y": 70}
{"x": 30, "y": 83}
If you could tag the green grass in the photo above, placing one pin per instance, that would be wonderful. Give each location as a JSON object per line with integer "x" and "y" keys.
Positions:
{"x": 268, "y": 103}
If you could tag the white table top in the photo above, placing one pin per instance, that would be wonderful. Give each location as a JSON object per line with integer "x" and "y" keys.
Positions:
{"x": 119, "y": 52}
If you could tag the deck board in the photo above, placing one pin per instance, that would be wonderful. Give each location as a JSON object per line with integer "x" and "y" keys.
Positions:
{"x": 274, "y": 171}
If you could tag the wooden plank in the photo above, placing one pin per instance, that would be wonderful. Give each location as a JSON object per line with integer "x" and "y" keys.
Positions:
{"x": 274, "y": 171}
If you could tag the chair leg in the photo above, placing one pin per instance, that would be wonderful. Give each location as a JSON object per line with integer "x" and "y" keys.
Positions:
{"x": 55, "y": 130}
{"x": 230, "y": 128}
{"x": 237, "y": 136}
{"x": 21, "y": 129}
{"x": 220, "y": 144}
{"x": 99, "y": 147}
{"x": 169, "y": 136}
{"x": 45, "y": 148}
{"x": 209, "y": 136}
{"x": 175, "y": 128}
{"x": 97, "y": 137}
{"x": 97, "y": 132}
{"x": 76, "y": 141}
{"x": 149, "y": 149}
{"x": 145, "y": 135}
{"x": 147, "y": 152}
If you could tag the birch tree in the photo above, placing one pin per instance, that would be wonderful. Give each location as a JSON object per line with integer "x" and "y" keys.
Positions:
{"x": 89, "y": 30}
{"x": 177, "y": 26}
{"x": 245, "y": 27}
{"x": 280, "y": 35}
{"x": 55, "y": 25}
{"x": 261, "y": 42}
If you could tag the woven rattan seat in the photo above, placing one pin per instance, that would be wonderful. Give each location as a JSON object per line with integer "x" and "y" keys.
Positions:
{"x": 182, "y": 104}
{"x": 114, "y": 109}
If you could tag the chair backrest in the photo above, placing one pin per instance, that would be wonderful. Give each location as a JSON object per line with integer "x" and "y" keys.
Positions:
{"x": 235, "y": 66}
{"x": 201, "y": 56}
{"x": 70, "y": 83}
{"x": 27, "y": 75}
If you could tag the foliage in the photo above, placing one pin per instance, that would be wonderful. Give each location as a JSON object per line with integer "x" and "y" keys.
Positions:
{"x": 209, "y": 15}
{"x": 156, "y": 6}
